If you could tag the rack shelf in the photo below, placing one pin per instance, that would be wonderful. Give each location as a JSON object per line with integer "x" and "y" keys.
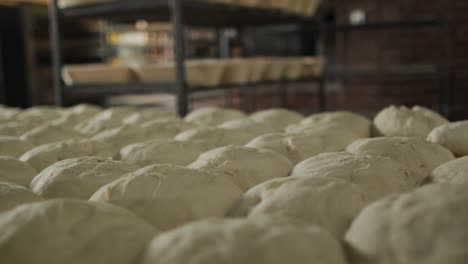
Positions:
{"x": 198, "y": 13}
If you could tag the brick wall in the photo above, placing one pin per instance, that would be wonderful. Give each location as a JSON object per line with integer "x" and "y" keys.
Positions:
{"x": 399, "y": 46}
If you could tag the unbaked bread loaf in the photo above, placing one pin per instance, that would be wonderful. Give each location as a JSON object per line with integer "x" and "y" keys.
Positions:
{"x": 402, "y": 121}
{"x": 376, "y": 176}
{"x": 49, "y": 133}
{"x": 295, "y": 147}
{"x": 173, "y": 152}
{"x": 247, "y": 125}
{"x": 78, "y": 178}
{"x": 7, "y": 113}
{"x": 107, "y": 119}
{"x": 327, "y": 202}
{"x": 38, "y": 114}
{"x": 15, "y": 129}
{"x": 342, "y": 120}
{"x": 165, "y": 128}
{"x": 12, "y": 195}
{"x": 169, "y": 196}
{"x": 245, "y": 166}
{"x": 15, "y": 171}
{"x": 214, "y": 136}
{"x": 277, "y": 118}
{"x": 13, "y": 146}
{"x": 213, "y": 116}
{"x": 148, "y": 114}
{"x": 418, "y": 155}
{"x": 425, "y": 226}
{"x": 76, "y": 114}
{"x": 455, "y": 171}
{"x": 72, "y": 232}
{"x": 453, "y": 136}
{"x": 43, "y": 156}
{"x": 119, "y": 137}
{"x": 244, "y": 241}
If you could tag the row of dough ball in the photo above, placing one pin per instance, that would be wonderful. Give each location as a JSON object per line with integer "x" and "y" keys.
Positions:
{"x": 331, "y": 203}
{"x": 235, "y": 170}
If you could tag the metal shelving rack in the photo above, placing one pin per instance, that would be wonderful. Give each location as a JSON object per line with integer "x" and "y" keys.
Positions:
{"x": 441, "y": 71}
{"x": 180, "y": 13}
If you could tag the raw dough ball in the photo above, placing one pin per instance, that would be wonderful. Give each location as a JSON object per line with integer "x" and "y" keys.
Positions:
{"x": 38, "y": 114}
{"x": 110, "y": 118}
{"x": 78, "y": 178}
{"x": 426, "y": 226}
{"x": 43, "y": 156}
{"x": 455, "y": 171}
{"x": 8, "y": 113}
{"x": 213, "y": 116}
{"x": 244, "y": 241}
{"x": 168, "y": 196}
{"x": 72, "y": 232}
{"x": 453, "y": 136}
{"x": 247, "y": 125}
{"x": 165, "y": 128}
{"x": 295, "y": 147}
{"x": 16, "y": 171}
{"x": 215, "y": 137}
{"x": 278, "y": 119}
{"x": 148, "y": 114}
{"x": 376, "y": 176}
{"x": 13, "y": 146}
{"x": 15, "y": 129}
{"x": 172, "y": 152}
{"x": 330, "y": 203}
{"x": 359, "y": 125}
{"x": 245, "y": 166}
{"x": 12, "y": 195}
{"x": 119, "y": 137}
{"x": 84, "y": 110}
{"x": 76, "y": 115}
{"x": 49, "y": 133}
{"x": 416, "y": 154}
{"x": 402, "y": 121}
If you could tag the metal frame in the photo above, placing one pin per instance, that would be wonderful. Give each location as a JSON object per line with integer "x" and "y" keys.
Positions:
{"x": 203, "y": 14}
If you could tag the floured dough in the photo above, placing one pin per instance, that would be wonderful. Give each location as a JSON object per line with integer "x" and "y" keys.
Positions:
{"x": 119, "y": 137}
{"x": 72, "y": 232}
{"x": 49, "y": 133}
{"x": 78, "y": 178}
{"x": 360, "y": 125}
{"x": 244, "y": 241}
{"x": 13, "y": 146}
{"x": 277, "y": 118}
{"x": 43, "y": 156}
{"x": 12, "y": 195}
{"x": 107, "y": 119}
{"x": 295, "y": 147}
{"x": 15, "y": 171}
{"x": 213, "y": 116}
{"x": 426, "y": 226}
{"x": 245, "y": 166}
{"x": 330, "y": 203}
{"x": 165, "y": 128}
{"x": 148, "y": 114}
{"x": 172, "y": 152}
{"x": 455, "y": 171}
{"x": 248, "y": 125}
{"x": 169, "y": 196}
{"x": 418, "y": 155}
{"x": 76, "y": 114}
{"x": 453, "y": 136}
{"x": 215, "y": 137}
{"x": 376, "y": 176}
{"x": 38, "y": 114}
{"x": 15, "y": 129}
{"x": 402, "y": 121}
{"x": 7, "y": 113}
